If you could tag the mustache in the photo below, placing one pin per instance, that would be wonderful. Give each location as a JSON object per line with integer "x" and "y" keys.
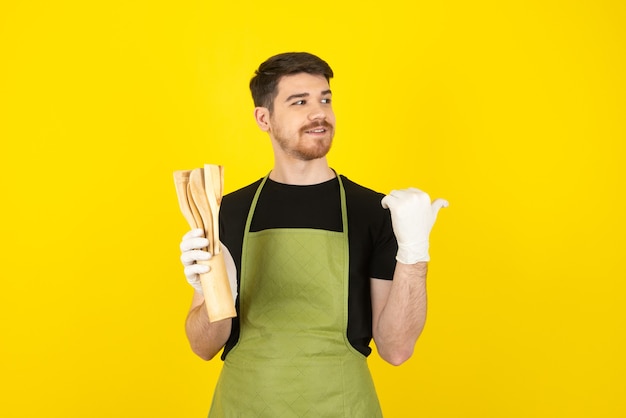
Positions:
{"x": 316, "y": 125}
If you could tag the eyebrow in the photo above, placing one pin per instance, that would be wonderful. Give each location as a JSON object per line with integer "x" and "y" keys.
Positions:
{"x": 302, "y": 95}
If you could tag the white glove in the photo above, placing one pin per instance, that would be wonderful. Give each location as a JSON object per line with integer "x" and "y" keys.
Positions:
{"x": 412, "y": 217}
{"x": 191, "y": 249}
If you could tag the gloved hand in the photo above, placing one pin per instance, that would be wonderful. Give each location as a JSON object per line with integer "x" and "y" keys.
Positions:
{"x": 191, "y": 248}
{"x": 412, "y": 217}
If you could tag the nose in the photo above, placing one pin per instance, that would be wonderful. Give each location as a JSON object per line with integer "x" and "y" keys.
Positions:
{"x": 318, "y": 112}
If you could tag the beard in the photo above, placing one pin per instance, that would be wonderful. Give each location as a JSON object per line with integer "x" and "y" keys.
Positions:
{"x": 307, "y": 149}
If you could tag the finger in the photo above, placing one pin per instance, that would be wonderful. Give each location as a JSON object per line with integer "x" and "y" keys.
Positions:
{"x": 196, "y": 269}
{"x": 190, "y": 257}
{"x": 390, "y": 200}
{"x": 398, "y": 193}
{"x": 193, "y": 244}
{"x": 194, "y": 233}
{"x": 414, "y": 190}
{"x": 385, "y": 202}
{"x": 438, "y": 204}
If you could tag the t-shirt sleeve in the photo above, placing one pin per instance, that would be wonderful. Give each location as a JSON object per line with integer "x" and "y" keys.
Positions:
{"x": 372, "y": 234}
{"x": 385, "y": 247}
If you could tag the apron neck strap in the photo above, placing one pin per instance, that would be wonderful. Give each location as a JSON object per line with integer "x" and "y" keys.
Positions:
{"x": 344, "y": 209}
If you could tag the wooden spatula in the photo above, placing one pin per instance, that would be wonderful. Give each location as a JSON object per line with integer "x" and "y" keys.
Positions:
{"x": 213, "y": 185}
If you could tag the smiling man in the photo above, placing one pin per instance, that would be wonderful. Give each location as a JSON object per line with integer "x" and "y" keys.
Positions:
{"x": 321, "y": 266}
{"x": 301, "y": 125}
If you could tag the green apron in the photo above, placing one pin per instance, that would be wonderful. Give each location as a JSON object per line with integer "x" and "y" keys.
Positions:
{"x": 293, "y": 357}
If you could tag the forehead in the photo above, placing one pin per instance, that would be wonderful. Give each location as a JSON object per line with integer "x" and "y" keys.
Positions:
{"x": 301, "y": 83}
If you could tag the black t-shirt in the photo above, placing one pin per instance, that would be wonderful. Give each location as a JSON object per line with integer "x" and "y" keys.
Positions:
{"x": 372, "y": 244}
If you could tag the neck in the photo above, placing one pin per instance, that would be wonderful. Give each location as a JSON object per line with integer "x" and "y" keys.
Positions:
{"x": 302, "y": 173}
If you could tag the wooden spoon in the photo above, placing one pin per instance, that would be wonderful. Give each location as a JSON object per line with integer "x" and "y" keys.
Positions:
{"x": 181, "y": 180}
{"x": 194, "y": 210}
{"x": 196, "y": 186}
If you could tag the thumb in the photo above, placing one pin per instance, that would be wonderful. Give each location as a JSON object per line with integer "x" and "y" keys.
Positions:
{"x": 438, "y": 204}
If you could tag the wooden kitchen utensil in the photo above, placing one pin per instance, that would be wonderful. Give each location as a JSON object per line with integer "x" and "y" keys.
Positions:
{"x": 200, "y": 200}
{"x": 181, "y": 179}
{"x": 213, "y": 185}
{"x": 199, "y": 197}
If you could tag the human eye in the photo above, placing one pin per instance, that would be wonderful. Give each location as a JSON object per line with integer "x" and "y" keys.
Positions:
{"x": 326, "y": 100}
{"x": 299, "y": 102}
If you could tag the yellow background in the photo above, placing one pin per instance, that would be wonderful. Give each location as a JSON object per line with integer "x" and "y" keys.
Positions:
{"x": 514, "y": 111}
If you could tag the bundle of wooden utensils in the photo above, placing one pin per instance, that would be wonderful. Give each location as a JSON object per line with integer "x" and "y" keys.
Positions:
{"x": 199, "y": 196}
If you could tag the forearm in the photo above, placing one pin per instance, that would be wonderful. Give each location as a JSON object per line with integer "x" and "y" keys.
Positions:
{"x": 205, "y": 338}
{"x": 403, "y": 316}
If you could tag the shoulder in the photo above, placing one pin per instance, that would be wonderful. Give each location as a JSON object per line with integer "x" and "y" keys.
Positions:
{"x": 359, "y": 190}
{"x": 239, "y": 201}
{"x": 361, "y": 196}
{"x": 243, "y": 194}
{"x": 366, "y": 214}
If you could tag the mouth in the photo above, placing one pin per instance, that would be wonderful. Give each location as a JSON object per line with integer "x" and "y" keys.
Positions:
{"x": 317, "y": 129}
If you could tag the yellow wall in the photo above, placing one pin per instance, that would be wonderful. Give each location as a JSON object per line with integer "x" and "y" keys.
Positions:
{"x": 514, "y": 111}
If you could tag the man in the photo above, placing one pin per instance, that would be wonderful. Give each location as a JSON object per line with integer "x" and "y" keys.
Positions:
{"x": 321, "y": 266}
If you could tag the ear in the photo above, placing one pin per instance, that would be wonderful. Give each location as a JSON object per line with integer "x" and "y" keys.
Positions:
{"x": 262, "y": 118}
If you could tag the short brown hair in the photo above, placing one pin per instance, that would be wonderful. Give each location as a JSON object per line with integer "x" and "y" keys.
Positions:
{"x": 263, "y": 84}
